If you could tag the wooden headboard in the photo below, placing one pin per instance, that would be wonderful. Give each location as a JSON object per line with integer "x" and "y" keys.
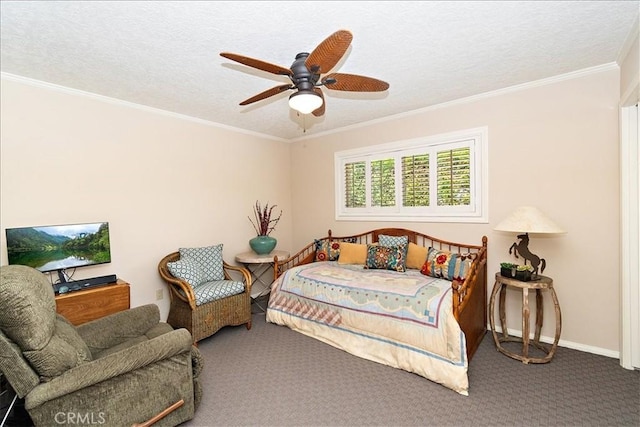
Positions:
{"x": 308, "y": 253}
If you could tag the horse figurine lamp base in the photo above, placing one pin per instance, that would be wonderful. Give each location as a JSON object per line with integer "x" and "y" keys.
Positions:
{"x": 522, "y": 248}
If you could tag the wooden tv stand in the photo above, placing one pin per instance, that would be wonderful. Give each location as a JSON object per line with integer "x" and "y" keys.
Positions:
{"x": 89, "y": 304}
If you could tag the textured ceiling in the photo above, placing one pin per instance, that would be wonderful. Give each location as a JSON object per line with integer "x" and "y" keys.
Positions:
{"x": 165, "y": 54}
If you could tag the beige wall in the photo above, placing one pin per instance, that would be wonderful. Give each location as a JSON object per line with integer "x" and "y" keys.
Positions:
{"x": 553, "y": 146}
{"x": 162, "y": 182}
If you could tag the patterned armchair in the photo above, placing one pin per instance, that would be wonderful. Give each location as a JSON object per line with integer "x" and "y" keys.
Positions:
{"x": 206, "y": 293}
{"x": 122, "y": 369}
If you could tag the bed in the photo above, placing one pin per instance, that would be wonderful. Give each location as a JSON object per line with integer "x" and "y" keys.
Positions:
{"x": 414, "y": 302}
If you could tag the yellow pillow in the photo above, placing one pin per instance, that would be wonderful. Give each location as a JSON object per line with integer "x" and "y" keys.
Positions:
{"x": 416, "y": 256}
{"x": 353, "y": 253}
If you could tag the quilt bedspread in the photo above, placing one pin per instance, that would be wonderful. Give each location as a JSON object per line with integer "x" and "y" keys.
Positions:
{"x": 404, "y": 320}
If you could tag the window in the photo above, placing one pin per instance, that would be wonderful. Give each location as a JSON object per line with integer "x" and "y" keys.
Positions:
{"x": 440, "y": 178}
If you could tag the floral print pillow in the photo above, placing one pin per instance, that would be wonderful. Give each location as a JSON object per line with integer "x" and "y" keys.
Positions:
{"x": 386, "y": 257}
{"x": 327, "y": 251}
{"x": 446, "y": 265}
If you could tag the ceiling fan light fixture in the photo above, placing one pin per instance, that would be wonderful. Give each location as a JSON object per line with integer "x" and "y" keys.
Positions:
{"x": 305, "y": 101}
{"x": 306, "y": 75}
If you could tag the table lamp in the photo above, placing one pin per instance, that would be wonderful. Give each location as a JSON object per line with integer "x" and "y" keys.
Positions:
{"x": 525, "y": 220}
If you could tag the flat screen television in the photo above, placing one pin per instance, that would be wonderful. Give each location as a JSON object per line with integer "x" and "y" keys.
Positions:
{"x": 59, "y": 247}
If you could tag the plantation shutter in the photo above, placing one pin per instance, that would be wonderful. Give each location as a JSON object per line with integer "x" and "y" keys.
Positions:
{"x": 383, "y": 183}
{"x": 355, "y": 185}
{"x": 454, "y": 177}
{"x": 415, "y": 180}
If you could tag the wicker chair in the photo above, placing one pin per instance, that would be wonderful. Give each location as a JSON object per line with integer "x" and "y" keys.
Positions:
{"x": 206, "y": 319}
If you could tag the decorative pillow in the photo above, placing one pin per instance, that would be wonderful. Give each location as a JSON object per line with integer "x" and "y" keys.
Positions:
{"x": 327, "y": 251}
{"x": 416, "y": 256}
{"x": 446, "y": 265}
{"x": 386, "y": 257}
{"x": 392, "y": 241}
{"x": 388, "y": 241}
{"x": 352, "y": 253}
{"x": 188, "y": 270}
{"x": 209, "y": 259}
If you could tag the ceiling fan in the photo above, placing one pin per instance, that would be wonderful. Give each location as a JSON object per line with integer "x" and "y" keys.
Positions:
{"x": 305, "y": 75}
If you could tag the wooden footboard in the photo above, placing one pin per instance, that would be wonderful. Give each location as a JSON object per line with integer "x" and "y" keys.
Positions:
{"x": 470, "y": 300}
{"x": 469, "y": 296}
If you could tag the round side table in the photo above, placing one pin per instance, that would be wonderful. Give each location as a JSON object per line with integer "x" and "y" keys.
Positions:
{"x": 539, "y": 284}
{"x": 261, "y": 269}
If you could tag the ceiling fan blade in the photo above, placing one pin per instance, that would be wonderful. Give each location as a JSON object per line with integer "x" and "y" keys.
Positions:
{"x": 320, "y": 110}
{"x": 354, "y": 83}
{"x": 329, "y": 52}
{"x": 256, "y": 63}
{"x": 266, "y": 94}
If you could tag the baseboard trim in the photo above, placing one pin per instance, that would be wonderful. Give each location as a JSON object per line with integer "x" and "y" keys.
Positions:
{"x": 568, "y": 344}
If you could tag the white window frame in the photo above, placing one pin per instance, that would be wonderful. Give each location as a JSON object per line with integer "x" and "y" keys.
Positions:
{"x": 476, "y": 212}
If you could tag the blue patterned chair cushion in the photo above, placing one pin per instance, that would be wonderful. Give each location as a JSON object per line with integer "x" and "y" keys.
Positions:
{"x": 386, "y": 257}
{"x": 188, "y": 270}
{"x": 218, "y": 289}
{"x": 209, "y": 260}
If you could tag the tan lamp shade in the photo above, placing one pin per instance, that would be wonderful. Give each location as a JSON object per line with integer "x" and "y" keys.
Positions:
{"x": 527, "y": 219}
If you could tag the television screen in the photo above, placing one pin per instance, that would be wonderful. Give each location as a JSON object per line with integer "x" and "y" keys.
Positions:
{"x": 59, "y": 247}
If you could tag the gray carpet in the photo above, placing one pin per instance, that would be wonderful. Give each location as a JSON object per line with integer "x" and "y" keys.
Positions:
{"x": 272, "y": 376}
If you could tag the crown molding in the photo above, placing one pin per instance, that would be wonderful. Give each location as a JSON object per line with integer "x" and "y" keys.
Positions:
{"x": 524, "y": 86}
{"x": 120, "y": 102}
{"x": 461, "y": 101}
